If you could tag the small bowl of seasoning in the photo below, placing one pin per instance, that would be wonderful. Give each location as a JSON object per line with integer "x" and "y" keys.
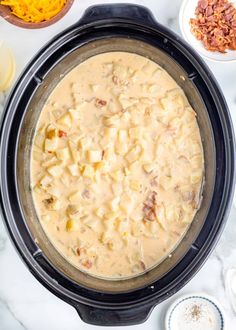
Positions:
{"x": 210, "y": 27}
{"x": 195, "y": 312}
{"x": 34, "y": 14}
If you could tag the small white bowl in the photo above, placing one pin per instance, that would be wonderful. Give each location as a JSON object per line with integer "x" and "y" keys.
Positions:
{"x": 187, "y": 11}
{"x": 179, "y": 314}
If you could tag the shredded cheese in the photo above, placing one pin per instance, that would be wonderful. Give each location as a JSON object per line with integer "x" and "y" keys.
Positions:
{"x": 34, "y": 11}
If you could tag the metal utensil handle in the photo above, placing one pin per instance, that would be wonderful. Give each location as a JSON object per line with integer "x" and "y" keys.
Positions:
{"x": 132, "y": 12}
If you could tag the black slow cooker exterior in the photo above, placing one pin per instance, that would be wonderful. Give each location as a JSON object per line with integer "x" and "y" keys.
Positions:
{"x": 134, "y": 306}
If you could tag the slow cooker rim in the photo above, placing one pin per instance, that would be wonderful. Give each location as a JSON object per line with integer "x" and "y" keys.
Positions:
{"x": 222, "y": 101}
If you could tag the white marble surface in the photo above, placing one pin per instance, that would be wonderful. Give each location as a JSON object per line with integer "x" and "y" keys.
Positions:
{"x": 26, "y": 304}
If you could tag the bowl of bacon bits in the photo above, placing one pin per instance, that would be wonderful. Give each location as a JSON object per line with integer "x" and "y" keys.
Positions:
{"x": 210, "y": 27}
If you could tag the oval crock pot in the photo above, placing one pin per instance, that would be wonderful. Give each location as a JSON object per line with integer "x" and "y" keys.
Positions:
{"x": 115, "y": 28}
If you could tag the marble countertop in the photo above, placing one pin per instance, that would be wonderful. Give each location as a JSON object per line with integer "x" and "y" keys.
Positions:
{"x": 24, "y": 302}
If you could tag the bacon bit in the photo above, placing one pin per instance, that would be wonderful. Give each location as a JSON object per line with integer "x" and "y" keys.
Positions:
{"x": 80, "y": 250}
{"x": 49, "y": 152}
{"x": 87, "y": 263}
{"x": 86, "y": 194}
{"x": 149, "y": 209}
{"x": 215, "y": 24}
{"x": 103, "y": 153}
{"x": 62, "y": 133}
{"x": 153, "y": 182}
{"x": 142, "y": 265}
{"x": 115, "y": 80}
{"x": 188, "y": 196}
{"x": 99, "y": 103}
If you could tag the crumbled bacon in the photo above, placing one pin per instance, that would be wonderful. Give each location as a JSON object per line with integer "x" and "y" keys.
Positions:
{"x": 149, "y": 207}
{"x": 87, "y": 263}
{"x": 215, "y": 24}
{"x": 62, "y": 133}
{"x": 86, "y": 194}
{"x": 99, "y": 103}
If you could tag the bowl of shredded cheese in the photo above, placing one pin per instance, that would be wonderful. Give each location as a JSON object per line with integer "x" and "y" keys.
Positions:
{"x": 34, "y": 14}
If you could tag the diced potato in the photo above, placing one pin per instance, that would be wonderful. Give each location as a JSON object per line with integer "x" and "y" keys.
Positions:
{"x": 85, "y": 143}
{"x": 125, "y": 102}
{"x": 126, "y": 204}
{"x": 37, "y": 189}
{"x": 65, "y": 120}
{"x": 37, "y": 155}
{"x": 167, "y": 104}
{"x": 75, "y": 197}
{"x": 92, "y": 223}
{"x": 113, "y": 107}
{"x": 71, "y": 225}
{"x": 111, "y": 216}
{"x": 54, "y": 191}
{"x": 80, "y": 106}
{"x": 51, "y": 145}
{"x": 170, "y": 213}
{"x": 46, "y": 218}
{"x": 114, "y": 204}
{"x": 45, "y": 181}
{"x": 136, "y": 132}
{"x": 123, "y": 226}
{"x": 117, "y": 188}
{"x": 136, "y": 229}
{"x": 109, "y": 155}
{"x": 120, "y": 71}
{"x": 110, "y": 132}
{"x": 148, "y": 168}
{"x": 94, "y": 87}
{"x": 106, "y": 236}
{"x": 136, "y": 115}
{"x": 51, "y": 132}
{"x": 55, "y": 170}
{"x": 166, "y": 182}
{"x": 74, "y": 169}
{"x": 50, "y": 161}
{"x": 134, "y": 166}
{"x": 127, "y": 171}
{"x": 94, "y": 156}
{"x": 39, "y": 140}
{"x": 196, "y": 161}
{"x": 88, "y": 172}
{"x": 74, "y": 152}
{"x": 153, "y": 88}
{"x": 75, "y": 114}
{"x": 63, "y": 154}
{"x": 117, "y": 175}
{"x": 196, "y": 176}
{"x": 135, "y": 185}
{"x": 122, "y": 136}
{"x": 160, "y": 212}
{"x": 100, "y": 212}
{"x": 148, "y": 68}
{"x": 121, "y": 148}
{"x": 195, "y": 148}
{"x": 112, "y": 121}
{"x": 100, "y": 166}
{"x": 133, "y": 154}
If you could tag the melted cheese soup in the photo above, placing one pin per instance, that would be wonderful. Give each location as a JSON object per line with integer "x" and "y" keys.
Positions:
{"x": 117, "y": 165}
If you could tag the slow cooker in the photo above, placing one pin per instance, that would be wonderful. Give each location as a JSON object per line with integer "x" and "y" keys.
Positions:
{"x": 106, "y": 28}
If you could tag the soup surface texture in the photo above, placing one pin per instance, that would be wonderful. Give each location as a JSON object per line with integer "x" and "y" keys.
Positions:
{"x": 117, "y": 165}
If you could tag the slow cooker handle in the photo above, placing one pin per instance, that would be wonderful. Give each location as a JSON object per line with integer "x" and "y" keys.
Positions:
{"x": 123, "y": 11}
{"x": 110, "y": 317}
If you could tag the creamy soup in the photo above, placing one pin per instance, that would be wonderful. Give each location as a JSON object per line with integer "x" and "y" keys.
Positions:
{"x": 117, "y": 165}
